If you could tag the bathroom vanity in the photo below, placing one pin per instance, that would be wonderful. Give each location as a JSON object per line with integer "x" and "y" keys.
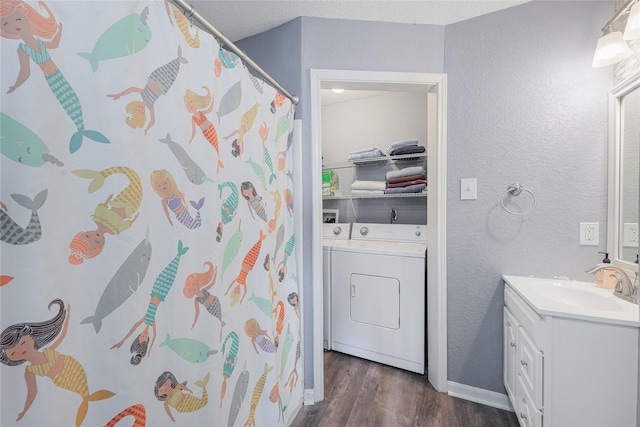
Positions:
{"x": 570, "y": 354}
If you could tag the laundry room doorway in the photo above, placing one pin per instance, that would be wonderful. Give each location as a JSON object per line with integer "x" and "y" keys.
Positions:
{"x": 433, "y": 88}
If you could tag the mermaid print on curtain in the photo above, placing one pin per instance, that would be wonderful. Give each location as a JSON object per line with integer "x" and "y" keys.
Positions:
{"x": 147, "y": 269}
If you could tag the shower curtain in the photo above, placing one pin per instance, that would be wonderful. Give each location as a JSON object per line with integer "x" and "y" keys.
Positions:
{"x": 148, "y": 270}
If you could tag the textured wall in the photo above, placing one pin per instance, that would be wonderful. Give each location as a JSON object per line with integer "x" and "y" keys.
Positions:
{"x": 524, "y": 105}
{"x": 278, "y": 53}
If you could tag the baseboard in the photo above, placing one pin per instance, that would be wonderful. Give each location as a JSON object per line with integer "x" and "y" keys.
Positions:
{"x": 308, "y": 397}
{"x": 480, "y": 395}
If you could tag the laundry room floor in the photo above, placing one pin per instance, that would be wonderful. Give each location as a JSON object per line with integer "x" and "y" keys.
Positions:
{"x": 363, "y": 393}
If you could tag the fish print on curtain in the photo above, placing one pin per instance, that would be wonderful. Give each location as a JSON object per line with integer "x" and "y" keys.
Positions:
{"x": 148, "y": 269}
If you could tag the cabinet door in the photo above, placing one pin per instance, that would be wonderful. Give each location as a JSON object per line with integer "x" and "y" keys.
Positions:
{"x": 526, "y": 411}
{"x": 510, "y": 354}
{"x": 530, "y": 367}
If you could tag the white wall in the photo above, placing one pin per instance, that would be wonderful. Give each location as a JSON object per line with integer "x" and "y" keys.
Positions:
{"x": 376, "y": 121}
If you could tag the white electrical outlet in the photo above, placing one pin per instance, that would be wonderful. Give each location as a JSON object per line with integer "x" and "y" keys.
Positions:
{"x": 589, "y": 233}
{"x": 630, "y": 235}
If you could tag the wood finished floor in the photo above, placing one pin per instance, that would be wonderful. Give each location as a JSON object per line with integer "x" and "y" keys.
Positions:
{"x": 360, "y": 393}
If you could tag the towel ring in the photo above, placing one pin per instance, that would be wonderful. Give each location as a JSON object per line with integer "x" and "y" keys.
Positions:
{"x": 515, "y": 189}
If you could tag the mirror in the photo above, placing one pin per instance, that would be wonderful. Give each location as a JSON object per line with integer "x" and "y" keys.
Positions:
{"x": 624, "y": 177}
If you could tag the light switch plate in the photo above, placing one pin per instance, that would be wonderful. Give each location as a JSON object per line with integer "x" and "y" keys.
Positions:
{"x": 468, "y": 189}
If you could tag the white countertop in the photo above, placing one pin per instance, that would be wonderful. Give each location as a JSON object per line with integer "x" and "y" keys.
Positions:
{"x": 573, "y": 299}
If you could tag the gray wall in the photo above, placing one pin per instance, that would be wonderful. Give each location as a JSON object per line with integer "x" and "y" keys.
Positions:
{"x": 278, "y": 53}
{"x": 524, "y": 105}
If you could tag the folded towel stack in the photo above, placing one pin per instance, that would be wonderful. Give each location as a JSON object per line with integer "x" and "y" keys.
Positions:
{"x": 407, "y": 146}
{"x": 406, "y": 180}
{"x": 370, "y": 188}
{"x": 365, "y": 154}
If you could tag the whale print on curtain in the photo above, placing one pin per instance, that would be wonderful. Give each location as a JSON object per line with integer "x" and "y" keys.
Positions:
{"x": 147, "y": 234}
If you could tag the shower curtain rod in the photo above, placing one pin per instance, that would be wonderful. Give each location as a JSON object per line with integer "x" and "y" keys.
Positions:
{"x": 191, "y": 13}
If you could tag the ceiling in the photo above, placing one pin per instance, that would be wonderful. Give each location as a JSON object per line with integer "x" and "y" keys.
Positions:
{"x": 238, "y": 19}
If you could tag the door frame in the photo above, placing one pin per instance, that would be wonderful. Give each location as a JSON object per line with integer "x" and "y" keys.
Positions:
{"x": 436, "y": 85}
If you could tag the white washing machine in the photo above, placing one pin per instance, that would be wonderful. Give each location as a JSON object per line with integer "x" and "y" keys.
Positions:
{"x": 332, "y": 234}
{"x": 378, "y": 294}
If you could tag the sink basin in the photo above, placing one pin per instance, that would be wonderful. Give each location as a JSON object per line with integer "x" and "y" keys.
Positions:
{"x": 578, "y": 294}
{"x": 578, "y": 300}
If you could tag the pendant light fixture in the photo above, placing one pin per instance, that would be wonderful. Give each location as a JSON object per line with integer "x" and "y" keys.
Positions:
{"x": 612, "y": 46}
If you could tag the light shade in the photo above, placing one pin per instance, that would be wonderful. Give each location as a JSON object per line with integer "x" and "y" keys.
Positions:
{"x": 611, "y": 48}
{"x": 632, "y": 30}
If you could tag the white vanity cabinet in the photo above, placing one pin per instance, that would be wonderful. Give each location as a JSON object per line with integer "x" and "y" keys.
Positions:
{"x": 523, "y": 359}
{"x": 564, "y": 370}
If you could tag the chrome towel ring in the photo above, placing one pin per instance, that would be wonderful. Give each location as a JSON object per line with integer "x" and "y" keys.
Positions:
{"x": 515, "y": 189}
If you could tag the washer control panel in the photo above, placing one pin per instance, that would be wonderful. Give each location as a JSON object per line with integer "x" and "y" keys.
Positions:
{"x": 389, "y": 232}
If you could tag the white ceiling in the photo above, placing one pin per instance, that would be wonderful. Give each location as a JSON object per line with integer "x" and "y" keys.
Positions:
{"x": 237, "y": 19}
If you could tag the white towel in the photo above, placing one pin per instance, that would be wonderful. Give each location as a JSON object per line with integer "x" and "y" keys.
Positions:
{"x": 368, "y": 185}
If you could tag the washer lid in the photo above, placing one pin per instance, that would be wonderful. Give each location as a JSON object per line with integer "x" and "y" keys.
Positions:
{"x": 377, "y": 247}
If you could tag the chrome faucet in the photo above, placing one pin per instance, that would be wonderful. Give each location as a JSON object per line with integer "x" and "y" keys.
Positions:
{"x": 624, "y": 288}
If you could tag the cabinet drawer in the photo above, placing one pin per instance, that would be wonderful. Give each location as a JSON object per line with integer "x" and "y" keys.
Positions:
{"x": 529, "y": 366}
{"x": 526, "y": 411}
{"x": 531, "y": 321}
